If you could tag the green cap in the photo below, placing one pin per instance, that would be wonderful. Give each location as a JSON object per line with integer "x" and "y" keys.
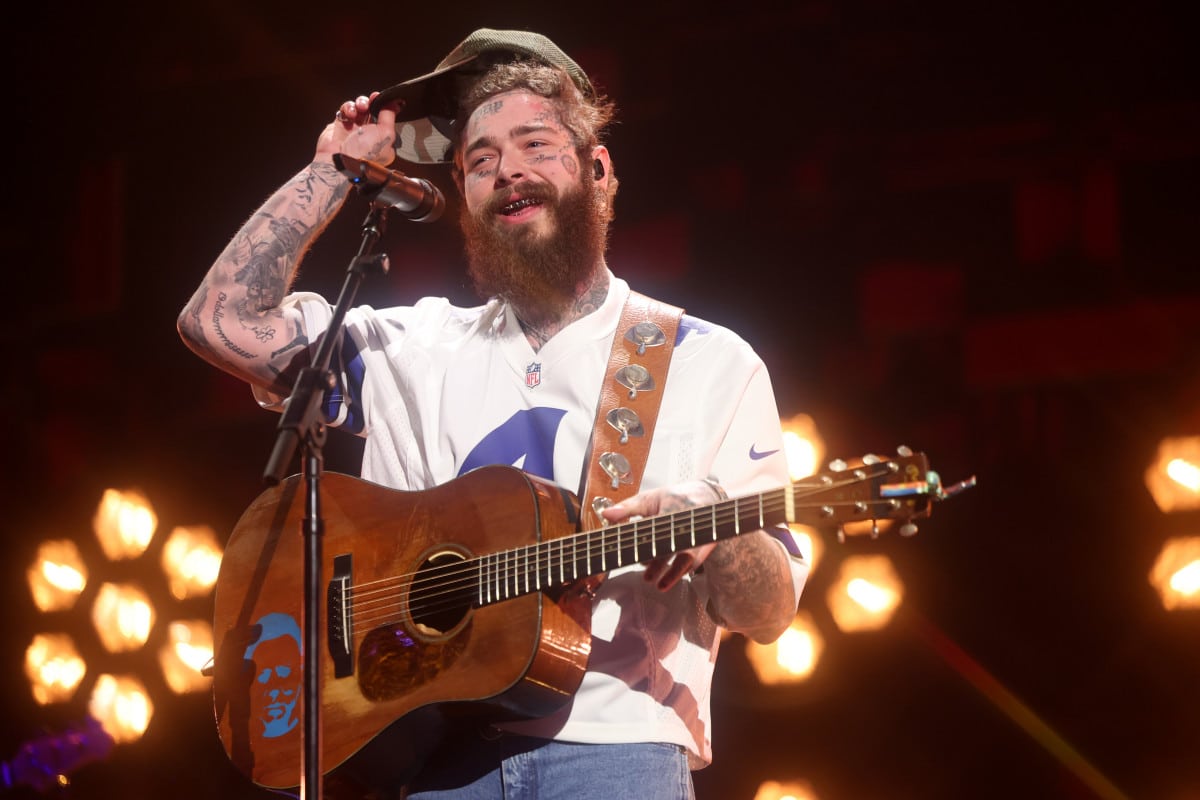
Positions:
{"x": 428, "y": 104}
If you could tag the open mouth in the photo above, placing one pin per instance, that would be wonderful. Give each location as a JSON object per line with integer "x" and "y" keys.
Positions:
{"x": 518, "y": 206}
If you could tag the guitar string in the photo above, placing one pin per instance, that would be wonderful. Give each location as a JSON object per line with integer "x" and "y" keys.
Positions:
{"x": 460, "y": 590}
{"x": 458, "y": 583}
{"x": 618, "y": 533}
{"x": 551, "y": 553}
{"x": 458, "y": 597}
{"x": 772, "y": 496}
{"x": 455, "y": 586}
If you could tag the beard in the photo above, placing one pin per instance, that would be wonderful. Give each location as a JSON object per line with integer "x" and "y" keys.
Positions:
{"x": 538, "y": 273}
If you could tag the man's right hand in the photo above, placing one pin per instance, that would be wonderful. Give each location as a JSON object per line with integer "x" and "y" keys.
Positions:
{"x": 354, "y": 133}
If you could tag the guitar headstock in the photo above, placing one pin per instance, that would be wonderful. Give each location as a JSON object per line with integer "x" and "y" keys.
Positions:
{"x": 872, "y": 494}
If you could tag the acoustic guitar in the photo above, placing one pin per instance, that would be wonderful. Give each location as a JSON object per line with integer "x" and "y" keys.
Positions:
{"x": 472, "y": 595}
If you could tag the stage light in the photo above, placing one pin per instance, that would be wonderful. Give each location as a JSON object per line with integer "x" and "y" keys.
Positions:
{"x": 802, "y": 446}
{"x": 57, "y": 576}
{"x": 810, "y": 543}
{"x": 866, "y": 593}
{"x": 1174, "y": 478}
{"x": 191, "y": 560}
{"x": 1176, "y": 573}
{"x": 794, "y": 790}
{"x": 123, "y": 617}
{"x": 189, "y": 647}
{"x": 792, "y": 657}
{"x": 122, "y": 707}
{"x": 54, "y": 668}
{"x": 124, "y": 524}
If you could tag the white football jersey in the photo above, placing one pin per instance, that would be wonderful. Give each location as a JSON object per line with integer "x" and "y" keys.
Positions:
{"x": 438, "y": 390}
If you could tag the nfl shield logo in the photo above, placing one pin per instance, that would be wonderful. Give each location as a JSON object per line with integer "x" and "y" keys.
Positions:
{"x": 533, "y": 375}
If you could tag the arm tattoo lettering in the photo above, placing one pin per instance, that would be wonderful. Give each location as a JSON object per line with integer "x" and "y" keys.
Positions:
{"x": 219, "y": 314}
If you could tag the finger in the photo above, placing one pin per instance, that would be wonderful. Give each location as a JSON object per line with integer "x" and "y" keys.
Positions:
{"x": 655, "y": 569}
{"x": 640, "y": 505}
{"x": 680, "y": 565}
{"x": 387, "y": 116}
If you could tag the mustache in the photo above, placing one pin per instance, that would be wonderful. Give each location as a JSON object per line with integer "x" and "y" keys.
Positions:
{"x": 542, "y": 192}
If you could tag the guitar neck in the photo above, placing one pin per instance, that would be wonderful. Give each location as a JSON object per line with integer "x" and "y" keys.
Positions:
{"x": 902, "y": 488}
{"x": 557, "y": 562}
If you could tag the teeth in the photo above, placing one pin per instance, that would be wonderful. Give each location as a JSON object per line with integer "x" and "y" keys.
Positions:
{"x": 513, "y": 208}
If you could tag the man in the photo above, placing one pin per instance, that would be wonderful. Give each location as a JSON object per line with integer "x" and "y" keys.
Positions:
{"x": 438, "y": 391}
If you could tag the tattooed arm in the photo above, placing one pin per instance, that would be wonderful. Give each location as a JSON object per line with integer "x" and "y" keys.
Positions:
{"x": 234, "y": 319}
{"x": 750, "y": 582}
{"x": 751, "y": 586}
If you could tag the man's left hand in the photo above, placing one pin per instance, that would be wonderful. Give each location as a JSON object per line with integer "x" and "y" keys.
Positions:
{"x": 666, "y": 571}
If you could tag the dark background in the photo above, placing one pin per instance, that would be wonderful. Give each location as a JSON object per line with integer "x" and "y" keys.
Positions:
{"x": 957, "y": 226}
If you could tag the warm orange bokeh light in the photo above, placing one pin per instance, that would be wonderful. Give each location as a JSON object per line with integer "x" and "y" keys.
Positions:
{"x": 124, "y": 523}
{"x": 191, "y": 560}
{"x": 1176, "y": 573}
{"x": 803, "y": 446}
{"x": 794, "y": 790}
{"x": 57, "y": 576}
{"x": 122, "y": 706}
{"x": 1174, "y": 478}
{"x": 123, "y": 617}
{"x": 54, "y": 668}
{"x": 811, "y": 545}
{"x": 866, "y": 593}
{"x": 792, "y": 657}
{"x": 189, "y": 647}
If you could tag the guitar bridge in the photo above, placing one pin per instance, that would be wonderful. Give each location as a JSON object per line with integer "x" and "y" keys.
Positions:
{"x": 339, "y": 633}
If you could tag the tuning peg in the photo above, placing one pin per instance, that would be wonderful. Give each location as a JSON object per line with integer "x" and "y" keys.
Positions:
{"x": 871, "y": 458}
{"x": 908, "y": 529}
{"x": 904, "y": 451}
{"x": 838, "y": 465}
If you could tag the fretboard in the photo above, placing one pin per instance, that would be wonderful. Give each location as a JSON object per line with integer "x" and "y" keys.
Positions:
{"x": 553, "y": 563}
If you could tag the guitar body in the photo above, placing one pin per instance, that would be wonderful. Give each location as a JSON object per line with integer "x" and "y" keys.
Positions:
{"x": 402, "y": 657}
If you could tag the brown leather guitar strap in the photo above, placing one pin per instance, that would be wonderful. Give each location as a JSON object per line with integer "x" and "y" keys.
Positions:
{"x": 630, "y": 397}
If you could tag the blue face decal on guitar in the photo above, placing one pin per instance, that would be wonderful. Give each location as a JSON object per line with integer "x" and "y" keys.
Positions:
{"x": 277, "y": 662}
{"x": 525, "y": 440}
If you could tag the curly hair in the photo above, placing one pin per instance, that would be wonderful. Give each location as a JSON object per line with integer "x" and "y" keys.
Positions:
{"x": 584, "y": 118}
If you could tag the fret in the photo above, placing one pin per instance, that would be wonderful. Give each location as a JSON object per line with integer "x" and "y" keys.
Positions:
{"x": 762, "y": 523}
{"x": 618, "y": 535}
{"x": 485, "y": 586}
{"x": 693, "y": 526}
{"x": 737, "y": 521}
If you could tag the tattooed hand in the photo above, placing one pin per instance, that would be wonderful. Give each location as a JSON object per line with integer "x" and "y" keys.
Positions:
{"x": 666, "y": 571}
{"x": 354, "y": 133}
{"x": 750, "y": 584}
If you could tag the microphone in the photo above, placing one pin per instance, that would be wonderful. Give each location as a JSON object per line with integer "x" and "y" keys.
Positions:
{"x": 415, "y": 198}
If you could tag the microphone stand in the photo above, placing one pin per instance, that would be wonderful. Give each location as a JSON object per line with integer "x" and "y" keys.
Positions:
{"x": 300, "y": 425}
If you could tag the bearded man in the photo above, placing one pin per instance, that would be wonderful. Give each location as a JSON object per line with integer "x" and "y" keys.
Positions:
{"x": 439, "y": 391}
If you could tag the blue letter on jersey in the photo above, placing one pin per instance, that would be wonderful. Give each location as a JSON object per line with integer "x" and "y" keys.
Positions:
{"x": 527, "y": 435}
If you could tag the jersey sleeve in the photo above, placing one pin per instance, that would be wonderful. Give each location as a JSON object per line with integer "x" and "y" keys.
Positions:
{"x": 342, "y": 405}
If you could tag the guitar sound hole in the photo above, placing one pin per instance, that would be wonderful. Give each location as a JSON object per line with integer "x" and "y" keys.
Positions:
{"x": 441, "y": 594}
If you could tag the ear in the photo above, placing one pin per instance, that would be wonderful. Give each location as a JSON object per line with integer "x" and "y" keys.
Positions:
{"x": 603, "y": 170}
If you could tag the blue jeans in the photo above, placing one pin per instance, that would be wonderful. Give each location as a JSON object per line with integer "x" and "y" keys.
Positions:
{"x": 523, "y": 768}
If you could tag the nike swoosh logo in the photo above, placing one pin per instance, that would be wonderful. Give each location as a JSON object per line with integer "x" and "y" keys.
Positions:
{"x": 755, "y": 455}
